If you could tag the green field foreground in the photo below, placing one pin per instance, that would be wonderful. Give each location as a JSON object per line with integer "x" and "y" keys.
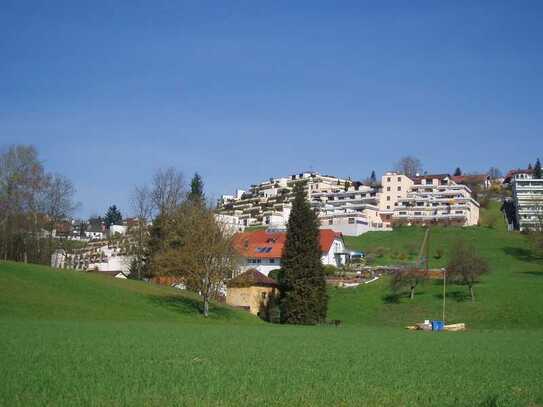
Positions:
{"x": 71, "y": 338}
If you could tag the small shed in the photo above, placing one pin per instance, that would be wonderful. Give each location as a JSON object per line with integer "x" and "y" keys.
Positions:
{"x": 250, "y": 290}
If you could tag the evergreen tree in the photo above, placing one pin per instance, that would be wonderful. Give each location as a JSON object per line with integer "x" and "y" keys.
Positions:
{"x": 373, "y": 178}
{"x": 113, "y": 216}
{"x": 457, "y": 172}
{"x": 196, "y": 193}
{"x": 537, "y": 169}
{"x": 530, "y": 166}
{"x": 302, "y": 278}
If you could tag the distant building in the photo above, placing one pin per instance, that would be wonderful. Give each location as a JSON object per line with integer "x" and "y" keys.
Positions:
{"x": 482, "y": 181}
{"x": 427, "y": 199}
{"x": 250, "y": 290}
{"x": 528, "y": 201}
{"x": 352, "y": 208}
{"x": 262, "y": 250}
{"x": 97, "y": 256}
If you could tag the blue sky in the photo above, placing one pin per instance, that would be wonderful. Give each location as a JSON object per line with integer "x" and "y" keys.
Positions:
{"x": 242, "y": 91}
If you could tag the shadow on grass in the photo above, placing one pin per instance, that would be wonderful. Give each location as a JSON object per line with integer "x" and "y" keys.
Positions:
{"x": 395, "y": 298}
{"x": 523, "y": 254}
{"x": 192, "y": 306}
{"x": 533, "y": 273}
{"x": 456, "y": 295}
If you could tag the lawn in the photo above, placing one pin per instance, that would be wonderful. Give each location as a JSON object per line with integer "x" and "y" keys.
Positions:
{"x": 72, "y": 338}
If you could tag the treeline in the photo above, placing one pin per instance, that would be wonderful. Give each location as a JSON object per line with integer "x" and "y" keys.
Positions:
{"x": 32, "y": 201}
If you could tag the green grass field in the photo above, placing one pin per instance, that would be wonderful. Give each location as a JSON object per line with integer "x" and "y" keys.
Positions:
{"x": 83, "y": 339}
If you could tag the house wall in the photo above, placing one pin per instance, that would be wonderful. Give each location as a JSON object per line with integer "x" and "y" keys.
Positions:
{"x": 331, "y": 257}
{"x": 252, "y": 297}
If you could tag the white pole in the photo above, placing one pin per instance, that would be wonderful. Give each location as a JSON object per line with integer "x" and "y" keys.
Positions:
{"x": 444, "y": 291}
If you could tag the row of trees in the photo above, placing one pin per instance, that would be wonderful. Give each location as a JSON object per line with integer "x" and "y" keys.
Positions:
{"x": 465, "y": 267}
{"x": 32, "y": 202}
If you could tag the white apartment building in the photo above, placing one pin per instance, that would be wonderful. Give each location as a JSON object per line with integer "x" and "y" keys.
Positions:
{"x": 352, "y": 208}
{"x": 528, "y": 200}
{"x": 269, "y": 203}
{"x": 352, "y": 211}
{"x": 425, "y": 200}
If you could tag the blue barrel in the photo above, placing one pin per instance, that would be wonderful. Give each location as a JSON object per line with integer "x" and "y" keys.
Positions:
{"x": 437, "y": 325}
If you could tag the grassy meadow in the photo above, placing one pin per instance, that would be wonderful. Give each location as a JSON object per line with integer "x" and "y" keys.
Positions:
{"x": 84, "y": 339}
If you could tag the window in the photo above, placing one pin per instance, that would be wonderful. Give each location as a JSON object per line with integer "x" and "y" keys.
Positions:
{"x": 351, "y": 221}
{"x": 388, "y": 206}
{"x": 388, "y": 198}
{"x": 388, "y": 188}
{"x": 399, "y": 179}
{"x": 388, "y": 179}
{"x": 331, "y": 221}
{"x": 399, "y": 188}
{"x": 272, "y": 261}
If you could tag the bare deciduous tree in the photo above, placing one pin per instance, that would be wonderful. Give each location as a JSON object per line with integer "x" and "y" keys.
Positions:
{"x": 409, "y": 166}
{"x": 168, "y": 190}
{"x": 408, "y": 276}
{"x": 466, "y": 266}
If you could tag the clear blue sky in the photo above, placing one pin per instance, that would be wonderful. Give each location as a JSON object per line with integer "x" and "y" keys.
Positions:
{"x": 242, "y": 91}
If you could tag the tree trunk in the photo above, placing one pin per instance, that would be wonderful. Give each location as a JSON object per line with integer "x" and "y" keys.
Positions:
{"x": 472, "y": 293}
{"x": 206, "y": 305}
{"x": 412, "y": 295}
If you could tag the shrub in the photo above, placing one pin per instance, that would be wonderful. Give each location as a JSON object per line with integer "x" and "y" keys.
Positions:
{"x": 379, "y": 251}
{"x": 438, "y": 254}
{"x": 330, "y": 270}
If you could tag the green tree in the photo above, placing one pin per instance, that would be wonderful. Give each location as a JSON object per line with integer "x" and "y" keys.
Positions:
{"x": 196, "y": 193}
{"x": 373, "y": 178}
{"x": 302, "y": 280}
{"x": 457, "y": 172}
{"x": 113, "y": 216}
{"x": 537, "y": 169}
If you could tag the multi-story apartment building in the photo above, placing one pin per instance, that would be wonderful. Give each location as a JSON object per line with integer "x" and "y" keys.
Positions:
{"x": 352, "y": 211}
{"x": 269, "y": 203}
{"x": 352, "y": 208}
{"x": 427, "y": 199}
{"x": 528, "y": 201}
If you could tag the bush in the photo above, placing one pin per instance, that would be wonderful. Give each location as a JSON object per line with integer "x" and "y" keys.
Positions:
{"x": 330, "y": 270}
{"x": 379, "y": 251}
{"x": 402, "y": 256}
{"x": 274, "y": 274}
{"x": 438, "y": 254}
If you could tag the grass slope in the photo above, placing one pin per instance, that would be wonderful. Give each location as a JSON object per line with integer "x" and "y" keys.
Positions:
{"x": 84, "y": 339}
{"x": 40, "y": 293}
{"x": 508, "y": 297}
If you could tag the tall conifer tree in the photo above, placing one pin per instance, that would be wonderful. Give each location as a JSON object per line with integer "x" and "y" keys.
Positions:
{"x": 537, "y": 169}
{"x": 302, "y": 279}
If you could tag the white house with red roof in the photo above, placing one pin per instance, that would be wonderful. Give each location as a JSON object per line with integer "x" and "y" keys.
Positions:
{"x": 262, "y": 249}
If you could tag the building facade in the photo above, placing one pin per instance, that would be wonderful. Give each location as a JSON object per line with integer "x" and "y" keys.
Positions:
{"x": 262, "y": 250}
{"x": 528, "y": 201}
{"x": 352, "y": 208}
{"x": 433, "y": 199}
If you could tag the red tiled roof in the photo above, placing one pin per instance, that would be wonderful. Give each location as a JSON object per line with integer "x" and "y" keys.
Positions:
{"x": 251, "y": 278}
{"x": 462, "y": 179}
{"x": 262, "y": 244}
{"x": 512, "y": 173}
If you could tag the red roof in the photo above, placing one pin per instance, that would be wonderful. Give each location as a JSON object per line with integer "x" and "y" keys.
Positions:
{"x": 269, "y": 245}
{"x": 469, "y": 179}
{"x": 512, "y": 173}
{"x": 252, "y": 278}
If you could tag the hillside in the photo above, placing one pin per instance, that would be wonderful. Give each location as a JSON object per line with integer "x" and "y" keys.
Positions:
{"x": 73, "y": 338}
{"x": 41, "y": 293}
{"x": 509, "y": 296}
